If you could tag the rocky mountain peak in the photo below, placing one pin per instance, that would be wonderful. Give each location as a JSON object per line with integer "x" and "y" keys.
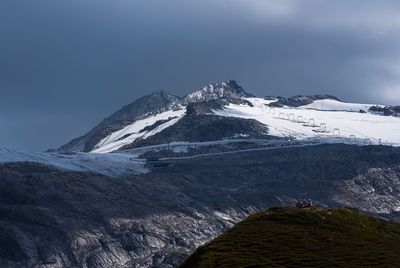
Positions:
{"x": 228, "y": 89}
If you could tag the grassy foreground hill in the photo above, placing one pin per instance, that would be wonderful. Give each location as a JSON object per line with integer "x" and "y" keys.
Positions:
{"x": 309, "y": 237}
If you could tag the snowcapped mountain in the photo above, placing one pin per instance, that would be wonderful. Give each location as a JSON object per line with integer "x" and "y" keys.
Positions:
{"x": 152, "y": 105}
{"x": 204, "y": 115}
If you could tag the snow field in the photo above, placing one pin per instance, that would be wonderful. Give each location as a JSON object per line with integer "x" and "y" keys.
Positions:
{"x": 305, "y": 122}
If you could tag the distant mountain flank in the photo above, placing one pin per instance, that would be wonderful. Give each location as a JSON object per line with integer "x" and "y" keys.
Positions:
{"x": 162, "y": 117}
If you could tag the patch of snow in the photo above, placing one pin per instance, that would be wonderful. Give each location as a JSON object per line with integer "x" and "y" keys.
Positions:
{"x": 241, "y": 135}
{"x": 130, "y": 133}
{"x": 259, "y": 102}
{"x": 112, "y": 164}
{"x": 223, "y": 216}
{"x": 334, "y": 105}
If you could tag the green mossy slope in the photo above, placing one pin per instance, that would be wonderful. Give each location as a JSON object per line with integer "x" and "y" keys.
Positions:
{"x": 314, "y": 237}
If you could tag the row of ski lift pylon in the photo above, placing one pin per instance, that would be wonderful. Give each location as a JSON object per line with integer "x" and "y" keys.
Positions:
{"x": 319, "y": 128}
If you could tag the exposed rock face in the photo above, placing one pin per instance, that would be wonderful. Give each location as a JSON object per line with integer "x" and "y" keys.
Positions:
{"x": 207, "y": 107}
{"x": 299, "y": 100}
{"x": 372, "y": 190}
{"x": 225, "y": 90}
{"x": 204, "y": 108}
{"x": 199, "y": 128}
{"x": 53, "y": 218}
{"x": 386, "y": 111}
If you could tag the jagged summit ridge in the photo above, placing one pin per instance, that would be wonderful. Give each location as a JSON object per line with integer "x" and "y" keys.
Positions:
{"x": 228, "y": 89}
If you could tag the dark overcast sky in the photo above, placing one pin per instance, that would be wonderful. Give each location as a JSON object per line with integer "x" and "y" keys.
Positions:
{"x": 66, "y": 64}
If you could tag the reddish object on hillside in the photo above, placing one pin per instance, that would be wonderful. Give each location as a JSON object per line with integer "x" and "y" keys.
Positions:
{"x": 304, "y": 204}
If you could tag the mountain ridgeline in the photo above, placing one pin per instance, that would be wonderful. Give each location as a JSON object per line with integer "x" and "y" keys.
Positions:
{"x": 161, "y": 117}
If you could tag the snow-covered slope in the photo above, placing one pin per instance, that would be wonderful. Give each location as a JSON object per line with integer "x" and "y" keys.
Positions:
{"x": 306, "y": 122}
{"x": 138, "y": 130}
{"x": 144, "y": 107}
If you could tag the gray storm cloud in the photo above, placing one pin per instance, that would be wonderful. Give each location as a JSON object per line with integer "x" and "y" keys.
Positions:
{"x": 67, "y": 64}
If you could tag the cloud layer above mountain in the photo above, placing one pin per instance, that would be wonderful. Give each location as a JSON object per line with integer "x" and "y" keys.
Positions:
{"x": 67, "y": 64}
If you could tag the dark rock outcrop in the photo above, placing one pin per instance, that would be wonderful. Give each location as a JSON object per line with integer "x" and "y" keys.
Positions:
{"x": 386, "y": 111}
{"x": 207, "y": 107}
{"x": 203, "y": 127}
{"x": 299, "y": 100}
